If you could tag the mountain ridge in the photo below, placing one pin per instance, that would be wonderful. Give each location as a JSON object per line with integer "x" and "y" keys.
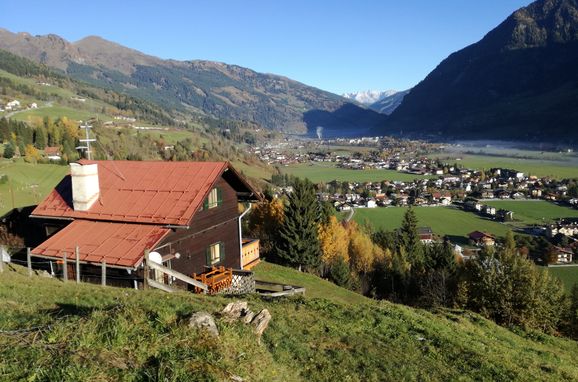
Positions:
{"x": 518, "y": 82}
{"x": 200, "y": 87}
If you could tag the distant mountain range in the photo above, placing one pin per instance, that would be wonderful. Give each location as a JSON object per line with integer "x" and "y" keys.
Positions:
{"x": 368, "y": 97}
{"x": 198, "y": 87}
{"x": 386, "y": 105}
{"x": 519, "y": 82}
{"x": 384, "y": 102}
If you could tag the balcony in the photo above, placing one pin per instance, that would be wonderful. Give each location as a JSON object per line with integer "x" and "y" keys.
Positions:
{"x": 250, "y": 253}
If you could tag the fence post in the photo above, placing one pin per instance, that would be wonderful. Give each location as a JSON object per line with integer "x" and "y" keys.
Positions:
{"x": 77, "y": 251}
{"x": 29, "y": 261}
{"x": 146, "y": 269}
{"x": 103, "y": 273}
{"x": 65, "y": 265}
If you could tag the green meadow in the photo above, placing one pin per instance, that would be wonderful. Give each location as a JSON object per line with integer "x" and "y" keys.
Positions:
{"x": 326, "y": 172}
{"x": 568, "y": 275}
{"x": 564, "y": 167}
{"x": 27, "y": 183}
{"x": 455, "y": 223}
{"x": 534, "y": 211}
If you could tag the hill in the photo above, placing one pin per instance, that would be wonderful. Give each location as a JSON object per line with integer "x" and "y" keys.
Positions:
{"x": 69, "y": 332}
{"x": 518, "y": 83}
{"x": 197, "y": 87}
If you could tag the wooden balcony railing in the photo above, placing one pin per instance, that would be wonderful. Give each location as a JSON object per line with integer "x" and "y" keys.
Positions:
{"x": 250, "y": 253}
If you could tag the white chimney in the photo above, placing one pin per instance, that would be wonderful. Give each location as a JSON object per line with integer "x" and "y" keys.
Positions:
{"x": 85, "y": 187}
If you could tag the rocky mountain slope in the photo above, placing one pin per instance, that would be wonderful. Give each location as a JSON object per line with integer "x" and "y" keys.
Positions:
{"x": 198, "y": 87}
{"x": 368, "y": 97}
{"x": 519, "y": 82}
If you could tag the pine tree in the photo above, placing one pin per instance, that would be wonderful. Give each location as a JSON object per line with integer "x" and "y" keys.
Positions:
{"x": 339, "y": 272}
{"x": 409, "y": 239}
{"x": 298, "y": 243}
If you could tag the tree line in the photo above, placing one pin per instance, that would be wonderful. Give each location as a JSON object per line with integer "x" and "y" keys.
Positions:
{"x": 500, "y": 283}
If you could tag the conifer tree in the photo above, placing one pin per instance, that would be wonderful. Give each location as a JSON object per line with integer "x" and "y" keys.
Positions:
{"x": 298, "y": 243}
{"x": 409, "y": 240}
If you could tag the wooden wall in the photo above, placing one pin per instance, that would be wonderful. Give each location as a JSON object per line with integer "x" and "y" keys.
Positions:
{"x": 219, "y": 224}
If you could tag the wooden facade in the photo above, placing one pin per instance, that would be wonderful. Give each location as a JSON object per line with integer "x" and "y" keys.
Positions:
{"x": 208, "y": 226}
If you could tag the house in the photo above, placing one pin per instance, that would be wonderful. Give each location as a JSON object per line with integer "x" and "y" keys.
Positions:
{"x": 563, "y": 255}
{"x": 425, "y": 235}
{"x": 482, "y": 238}
{"x": 52, "y": 153}
{"x": 185, "y": 213}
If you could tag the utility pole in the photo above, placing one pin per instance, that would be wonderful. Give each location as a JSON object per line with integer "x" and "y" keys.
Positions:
{"x": 86, "y": 141}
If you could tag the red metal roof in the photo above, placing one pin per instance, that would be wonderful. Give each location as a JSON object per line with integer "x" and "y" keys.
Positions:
{"x": 117, "y": 243}
{"x": 167, "y": 193}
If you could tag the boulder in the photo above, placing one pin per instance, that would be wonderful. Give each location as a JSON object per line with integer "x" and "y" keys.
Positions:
{"x": 235, "y": 310}
{"x": 261, "y": 321}
{"x": 205, "y": 322}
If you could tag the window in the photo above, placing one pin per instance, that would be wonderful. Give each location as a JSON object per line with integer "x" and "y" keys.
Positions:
{"x": 214, "y": 199}
{"x": 215, "y": 253}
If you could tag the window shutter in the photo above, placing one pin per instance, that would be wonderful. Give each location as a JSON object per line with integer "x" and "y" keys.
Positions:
{"x": 208, "y": 255}
{"x": 222, "y": 252}
{"x": 206, "y": 203}
{"x": 219, "y": 196}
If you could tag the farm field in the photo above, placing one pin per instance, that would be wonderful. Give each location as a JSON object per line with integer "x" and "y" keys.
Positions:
{"x": 455, "y": 223}
{"x": 326, "y": 172}
{"x": 554, "y": 168}
{"x": 568, "y": 275}
{"x": 56, "y": 112}
{"x": 30, "y": 183}
{"x": 534, "y": 211}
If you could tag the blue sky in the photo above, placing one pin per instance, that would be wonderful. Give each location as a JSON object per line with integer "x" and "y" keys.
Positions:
{"x": 334, "y": 45}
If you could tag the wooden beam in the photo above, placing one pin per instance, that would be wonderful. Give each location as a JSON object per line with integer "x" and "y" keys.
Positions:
{"x": 77, "y": 252}
{"x": 177, "y": 275}
{"x": 161, "y": 286}
{"x": 29, "y": 261}
{"x": 103, "y": 273}
{"x": 65, "y": 265}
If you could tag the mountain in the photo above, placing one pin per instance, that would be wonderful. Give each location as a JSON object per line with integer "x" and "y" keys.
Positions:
{"x": 368, "y": 97}
{"x": 195, "y": 87}
{"x": 387, "y": 104}
{"x": 519, "y": 82}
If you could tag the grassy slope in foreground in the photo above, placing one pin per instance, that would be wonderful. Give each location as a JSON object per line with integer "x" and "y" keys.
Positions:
{"x": 95, "y": 333}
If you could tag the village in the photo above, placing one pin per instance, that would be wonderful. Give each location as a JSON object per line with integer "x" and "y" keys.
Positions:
{"x": 436, "y": 184}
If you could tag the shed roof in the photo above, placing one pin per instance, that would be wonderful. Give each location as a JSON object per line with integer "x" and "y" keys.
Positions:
{"x": 118, "y": 244}
{"x": 153, "y": 192}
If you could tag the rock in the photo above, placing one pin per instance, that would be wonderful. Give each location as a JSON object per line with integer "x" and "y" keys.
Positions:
{"x": 234, "y": 310}
{"x": 261, "y": 321}
{"x": 248, "y": 317}
{"x": 204, "y": 321}
{"x": 236, "y": 378}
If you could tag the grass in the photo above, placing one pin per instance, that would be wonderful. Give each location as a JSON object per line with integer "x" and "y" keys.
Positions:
{"x": 56, "y": 112}
{"x": 443, "y": 220}
{"x": 534, "y": 212}
{"x": 315, "y": 287}
{"x": 30, "y": 183}
{"x": 558, "y": 169}
{"x": 326, "y": 172}
{"x": 568, "y": 275}
{"x": 68, "y": 332}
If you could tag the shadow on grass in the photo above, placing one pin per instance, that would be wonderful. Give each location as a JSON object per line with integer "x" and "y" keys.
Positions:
{"x": 67, "y": 310}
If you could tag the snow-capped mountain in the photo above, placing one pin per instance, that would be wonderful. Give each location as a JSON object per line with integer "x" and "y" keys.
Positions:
{"x": 369, "y": 97}
{"x": 386, "y": 105}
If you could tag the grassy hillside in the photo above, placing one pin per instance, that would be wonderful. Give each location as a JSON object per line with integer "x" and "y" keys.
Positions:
{"x": 28, "y": 183}
{"x": 69, "y": 332}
